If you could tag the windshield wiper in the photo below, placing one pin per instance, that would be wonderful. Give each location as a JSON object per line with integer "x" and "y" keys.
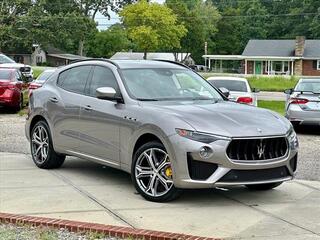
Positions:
{"x": 147, "y": 99}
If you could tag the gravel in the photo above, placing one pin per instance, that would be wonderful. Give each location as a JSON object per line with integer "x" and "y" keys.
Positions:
{"x": 24, "y": 232}
{"x": 13, "y": 140}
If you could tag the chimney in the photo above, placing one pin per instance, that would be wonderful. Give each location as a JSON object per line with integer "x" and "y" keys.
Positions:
{"x": 300, "y": 44}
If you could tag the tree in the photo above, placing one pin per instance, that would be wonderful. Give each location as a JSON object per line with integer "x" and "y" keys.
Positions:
{"x": 201, "y": 19}
{"x": 152, "y": 26}
{"x": 106, "y": 43}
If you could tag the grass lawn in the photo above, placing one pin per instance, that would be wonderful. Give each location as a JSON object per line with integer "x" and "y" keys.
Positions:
{"x": 37, "y": 72}
{"x": 264, "y": 83}
{"x": 277, "y": 106}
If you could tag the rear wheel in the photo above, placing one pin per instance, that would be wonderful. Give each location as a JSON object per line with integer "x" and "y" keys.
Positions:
{"x": 152, "y": 173}
{"x": 263, "y": 187}
{"x": 42, "y": 150}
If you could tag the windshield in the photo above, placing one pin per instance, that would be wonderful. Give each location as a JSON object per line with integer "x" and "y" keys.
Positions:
{"x": 5, "y": 59}
{"x": 43, "y": 76}
{"x": 5, "y": 74}
{"x": 308, "y": 87}
{"x": 231, "y": 85}
{"x": 167, "y": 84}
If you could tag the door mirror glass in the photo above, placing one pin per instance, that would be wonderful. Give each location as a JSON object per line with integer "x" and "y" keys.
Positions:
{"x": 225, "y": 91}
{"x": 107, "y": 93}
{"x": 288, "y": 91}
{"x": 255, "y": 90}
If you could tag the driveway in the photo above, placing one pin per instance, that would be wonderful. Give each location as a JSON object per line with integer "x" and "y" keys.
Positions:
{"x": 86, "y": 191}
{"x": 272, "y": 96}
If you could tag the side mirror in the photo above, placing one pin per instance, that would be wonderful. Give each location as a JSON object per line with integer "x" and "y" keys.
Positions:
{"x": 288, "y": 91}
{"x": 255, "y": 90}
{"x": 225, "y": 92}
{"x": 107, "y": 93}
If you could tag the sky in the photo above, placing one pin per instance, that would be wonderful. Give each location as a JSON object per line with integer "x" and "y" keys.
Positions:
{"x": 104, "y": 23}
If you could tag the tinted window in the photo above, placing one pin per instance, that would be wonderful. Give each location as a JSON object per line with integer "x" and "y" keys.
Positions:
{"x": 231, "y": 85}
{"x": 74, "y": 79}
{"x": 5, "y": 74}
{"x": 102, "y": 77}
{"x": 309, "y": 87}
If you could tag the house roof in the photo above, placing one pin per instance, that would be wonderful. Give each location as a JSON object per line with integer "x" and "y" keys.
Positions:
{"x": 280, "y": 48}
{"x": 68, "y": 56}
{"x": 151, "y": 55}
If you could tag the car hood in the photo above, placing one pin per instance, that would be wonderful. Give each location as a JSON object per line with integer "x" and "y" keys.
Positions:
{"x": 227, "y": 118}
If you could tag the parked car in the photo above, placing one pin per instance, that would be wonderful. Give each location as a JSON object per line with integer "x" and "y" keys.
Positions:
{"x": 303, "y": 102}
{"x": 7, "y": 62}
{"x": 161, "y": 122}
{"x": 240, "y": 90}
{"x": 11, "y": 88}
{"x": 37, "y": 83}
{"x": 199, "y": 68}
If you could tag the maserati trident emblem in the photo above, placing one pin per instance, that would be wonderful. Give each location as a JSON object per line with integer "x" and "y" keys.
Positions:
{"x": 261, "y": 148}
{"x": 259, "y": 130}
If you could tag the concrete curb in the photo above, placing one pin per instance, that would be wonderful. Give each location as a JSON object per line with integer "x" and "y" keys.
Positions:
{"x": 109, "y": 230}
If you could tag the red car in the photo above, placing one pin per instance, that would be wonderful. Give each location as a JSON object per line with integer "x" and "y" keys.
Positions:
{"x": 11, "y": 88}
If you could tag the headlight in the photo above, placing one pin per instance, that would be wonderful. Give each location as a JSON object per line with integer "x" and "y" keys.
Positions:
{"x": 200, "y": 137}
{"x": 293, "y": 139}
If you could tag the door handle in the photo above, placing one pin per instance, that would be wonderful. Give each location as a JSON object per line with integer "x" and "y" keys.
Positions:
{"x": 88, "y": 108}
{"x": 54, "y": 99}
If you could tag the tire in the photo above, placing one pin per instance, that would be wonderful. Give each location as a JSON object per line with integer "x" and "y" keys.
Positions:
{"x": 263, "y": 187}
{"x": 162, "y": 188}
{"x": 42, "y": 152}
{"x": 20, "y": 106}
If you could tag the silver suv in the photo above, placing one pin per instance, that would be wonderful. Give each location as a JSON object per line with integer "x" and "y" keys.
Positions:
{"x": 161, "y": 122}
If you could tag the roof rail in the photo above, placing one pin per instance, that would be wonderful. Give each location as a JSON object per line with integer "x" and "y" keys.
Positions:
{"x": 173, "y": 62}
{"x": 97, "y": 59}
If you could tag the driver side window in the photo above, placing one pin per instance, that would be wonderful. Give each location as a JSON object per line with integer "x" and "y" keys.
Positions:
{"x": 102, "y": 77}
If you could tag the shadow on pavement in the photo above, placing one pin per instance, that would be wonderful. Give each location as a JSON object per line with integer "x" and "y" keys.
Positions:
{"x": 308, "y": 129}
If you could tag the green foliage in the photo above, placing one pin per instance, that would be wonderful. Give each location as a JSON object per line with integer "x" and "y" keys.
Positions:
{"x": 277, "y": 106}
{"x": 107, "y": 43}
{"x": 201, "y": 19}
{"x": 152, "y": 26}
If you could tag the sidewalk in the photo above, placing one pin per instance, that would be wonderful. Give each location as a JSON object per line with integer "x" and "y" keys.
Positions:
{"x": 84, "y": 191}
{"x": 272, "y": 96}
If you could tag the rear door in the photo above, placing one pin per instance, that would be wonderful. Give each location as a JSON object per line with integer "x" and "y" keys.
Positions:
{"x": 100, "y": 120}
{"x": 64, "y": 106}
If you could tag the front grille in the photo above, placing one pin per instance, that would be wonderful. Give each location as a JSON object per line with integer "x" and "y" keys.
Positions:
{"x": 235, "y": 176}
{"x": 199, "y": 170}
{"x": 257, "y": 149}
{"x": 25, "y": 69}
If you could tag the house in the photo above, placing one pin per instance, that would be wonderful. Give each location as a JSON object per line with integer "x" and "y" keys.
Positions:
{"x": 50, "y": 56}
{"x": 177, "y": 57}
{"x": 275, "y": 57}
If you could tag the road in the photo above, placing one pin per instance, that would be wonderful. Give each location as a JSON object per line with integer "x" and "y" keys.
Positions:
{"x": 13, "y": 140}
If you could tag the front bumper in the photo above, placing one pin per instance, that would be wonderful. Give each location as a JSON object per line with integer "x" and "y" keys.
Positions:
{"x": 224, "y": 172}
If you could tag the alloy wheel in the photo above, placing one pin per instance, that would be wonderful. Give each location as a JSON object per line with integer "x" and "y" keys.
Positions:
{"x": 40, "y": 144}
{"x": 153, "y": 172}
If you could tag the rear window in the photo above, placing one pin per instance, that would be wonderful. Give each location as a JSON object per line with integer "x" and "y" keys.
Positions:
{"x": 308, "y": 87}
{"x": 5, "y": 74}
{"x": 44, "y": 76}
{"x": 231, "y": 85}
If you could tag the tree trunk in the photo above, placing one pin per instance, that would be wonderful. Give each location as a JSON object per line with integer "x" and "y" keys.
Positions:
{"x": 80, "y": 49}
{"x": 145, "y": 55}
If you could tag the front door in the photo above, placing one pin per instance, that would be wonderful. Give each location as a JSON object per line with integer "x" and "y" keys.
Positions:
{"x": 258, "y": 67}
{"x": 100, "y": 120}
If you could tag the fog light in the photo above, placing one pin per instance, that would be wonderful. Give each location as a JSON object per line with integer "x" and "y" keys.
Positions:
{"x": 205, "y": 152}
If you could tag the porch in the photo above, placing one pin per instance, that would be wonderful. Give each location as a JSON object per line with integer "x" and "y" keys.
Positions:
{"x": 251, "y": 64}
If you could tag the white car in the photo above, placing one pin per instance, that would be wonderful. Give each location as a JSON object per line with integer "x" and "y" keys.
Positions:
{"x": 7, "y": 62}
{"x": 240, "y": 90}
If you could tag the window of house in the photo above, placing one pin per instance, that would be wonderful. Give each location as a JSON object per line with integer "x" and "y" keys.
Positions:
{"x": 74, "y": 79}
{"x": 318, "y": 64}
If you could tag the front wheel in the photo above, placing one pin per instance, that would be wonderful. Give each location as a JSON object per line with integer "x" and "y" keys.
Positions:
{"x": 42, "y": 151}
{"x": 263, "y": 187}
{"x": 152, "y": 173}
